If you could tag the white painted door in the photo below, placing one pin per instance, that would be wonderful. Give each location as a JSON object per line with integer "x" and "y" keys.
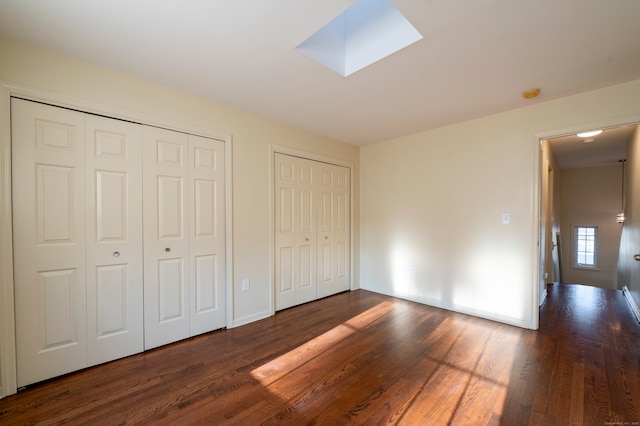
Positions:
{"x": 49, "y": 240}
{"x": 78, "y": 238}
{"x": 312, "y": 230}
{"x": 333, "y": 230}
{"x": 184, "y": 237}
{"x": 295, "y": 230}
{"x": 114, "y": 238}
{"x": 165, "y": 169}
{"x": 207, "y": 288}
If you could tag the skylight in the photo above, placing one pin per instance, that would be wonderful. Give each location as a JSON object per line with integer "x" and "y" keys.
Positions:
{"x": 368, "y": 31}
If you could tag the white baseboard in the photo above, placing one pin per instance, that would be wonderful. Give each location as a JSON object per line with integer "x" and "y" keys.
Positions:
{"x": 251, "y": 318}
{"x": 632, "y": 302}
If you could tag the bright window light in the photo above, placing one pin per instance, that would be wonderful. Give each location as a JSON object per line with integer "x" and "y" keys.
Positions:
{"x": 586, "y": 246}
{"x": 366, "y": 32}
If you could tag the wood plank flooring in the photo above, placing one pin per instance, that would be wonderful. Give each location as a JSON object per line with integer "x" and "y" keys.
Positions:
{"x": 364, "y": 358}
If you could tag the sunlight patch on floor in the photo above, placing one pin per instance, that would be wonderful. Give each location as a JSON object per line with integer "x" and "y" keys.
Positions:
{"x": 463, "y": 376}
{"x": 284, "y": 364}
{"x": 474, "y": 369}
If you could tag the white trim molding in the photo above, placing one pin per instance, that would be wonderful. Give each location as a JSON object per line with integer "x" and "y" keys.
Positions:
{"x": 8, "y": 377}
{"x": 632, "y": 302}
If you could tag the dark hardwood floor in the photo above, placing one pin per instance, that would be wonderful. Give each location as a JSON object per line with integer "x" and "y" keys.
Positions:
{"x": 364, "y": 358}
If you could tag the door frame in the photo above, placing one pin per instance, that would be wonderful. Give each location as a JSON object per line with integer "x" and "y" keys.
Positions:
{"x": 8, "y": 377}
{"x": 538, "y": 291}
{"x": 278, "y": 149}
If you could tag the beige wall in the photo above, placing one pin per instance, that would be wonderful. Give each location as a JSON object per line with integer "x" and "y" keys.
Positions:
{"x": 433, "y": 201}
{"x": 591, "y": 197}
{"x": 252, "y": 136}
{"x": 628, "y": 268}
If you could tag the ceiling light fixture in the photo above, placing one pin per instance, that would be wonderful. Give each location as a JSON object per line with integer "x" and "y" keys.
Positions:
{"x": 531, "y": 93}
{"x": 589, "y": 134}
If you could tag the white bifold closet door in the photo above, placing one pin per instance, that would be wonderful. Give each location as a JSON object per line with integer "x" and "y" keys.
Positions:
{"x": 79, "y": 183}
{"x": 77, "y": 239}
{"x": 184, "y": 236}
{"x": 312, "y": 230}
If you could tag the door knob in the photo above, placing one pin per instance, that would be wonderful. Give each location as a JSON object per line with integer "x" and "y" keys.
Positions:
{"x": 326, "y": 238}
{"x": 306, "y": 239}
{"x": 116, "y": 254}
{"x": 167, "y": 249}
{"x": 637, "y": 257}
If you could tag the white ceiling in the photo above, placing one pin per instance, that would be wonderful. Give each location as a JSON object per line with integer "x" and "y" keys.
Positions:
{"x": 476, "y": 57}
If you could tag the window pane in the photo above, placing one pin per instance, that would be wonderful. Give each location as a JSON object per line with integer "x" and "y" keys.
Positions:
{"x": 586, "y": 239}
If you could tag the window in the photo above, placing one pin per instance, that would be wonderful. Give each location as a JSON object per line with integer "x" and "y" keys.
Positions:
{"x": 586, "y": 246}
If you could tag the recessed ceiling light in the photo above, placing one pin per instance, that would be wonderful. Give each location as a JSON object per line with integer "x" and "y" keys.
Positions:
{"x": 589, "y": 134}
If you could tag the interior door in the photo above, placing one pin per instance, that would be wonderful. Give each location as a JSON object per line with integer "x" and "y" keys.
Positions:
{"x": 166, "y": 298}
{"x": 49, "y": 240}
{"x": 114, "y": 238}
{"x": 334, "y": 230}
{"x": 207, "y": 288}
{"x": 184, "y": 235}
{"x": 312, "y": 230}
{"x": 295, "y": 230}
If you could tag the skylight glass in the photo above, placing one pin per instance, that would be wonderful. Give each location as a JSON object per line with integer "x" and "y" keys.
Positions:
{"x": 368, "y": 31}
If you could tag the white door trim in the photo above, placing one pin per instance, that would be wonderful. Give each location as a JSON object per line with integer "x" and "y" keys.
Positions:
{"x": 273, "y": 149}
{"x": 8, "y": 379}
{"x": 536, "y": 139}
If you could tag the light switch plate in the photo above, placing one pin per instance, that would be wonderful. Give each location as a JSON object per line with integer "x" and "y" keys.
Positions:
{"x": 506, "y": 218}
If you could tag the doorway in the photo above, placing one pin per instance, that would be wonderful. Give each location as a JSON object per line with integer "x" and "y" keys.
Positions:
{"x": 581, "y": 179}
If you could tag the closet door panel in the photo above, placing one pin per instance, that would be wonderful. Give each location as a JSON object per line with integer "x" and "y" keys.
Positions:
{"x": 295, "y": 233}
{"x": 49, "y": 240}
{"x": 342, "y": 234}
{"x": 171, "y": 291}
{"x": 285, "y": 231}
{"x": 306, "y": 238}
{"x": 165, "y": 173}
{"x": 114, "y": 238}
{"x": 207, "y": 285}
{"x": 334, "y": 235}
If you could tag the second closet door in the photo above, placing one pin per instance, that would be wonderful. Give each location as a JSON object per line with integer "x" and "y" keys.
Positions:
{"x": 312, "y": 230}
{"x": 184, "y": 259}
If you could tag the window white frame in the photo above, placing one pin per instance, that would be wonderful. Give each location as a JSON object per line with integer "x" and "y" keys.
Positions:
{"x": 585, "y": 246}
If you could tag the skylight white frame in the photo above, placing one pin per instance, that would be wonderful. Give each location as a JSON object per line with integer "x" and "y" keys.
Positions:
{"x": 365, "y": 33}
